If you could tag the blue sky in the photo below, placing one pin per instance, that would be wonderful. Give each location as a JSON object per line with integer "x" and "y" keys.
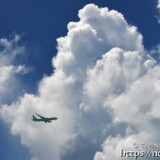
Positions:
{"x": 39, "y": 24}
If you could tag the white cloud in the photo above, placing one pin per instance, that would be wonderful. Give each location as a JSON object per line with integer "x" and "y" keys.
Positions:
{"x": 102, "y": 77}
{"x": 98, "y": 31}
{"x": 5, "y": 72}
{"x": 111, "y": 75}
{"x": 158, "y": 7}
{"x": 45, "y": 140}
{"x": 22, "y": 69}
{"x": 9, "y": 50}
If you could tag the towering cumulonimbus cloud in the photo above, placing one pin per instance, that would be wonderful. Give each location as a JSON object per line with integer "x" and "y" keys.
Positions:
{"x": 103, "y": 78}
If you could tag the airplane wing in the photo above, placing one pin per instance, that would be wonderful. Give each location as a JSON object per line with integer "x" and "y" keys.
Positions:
{"x": 40, "y": 116}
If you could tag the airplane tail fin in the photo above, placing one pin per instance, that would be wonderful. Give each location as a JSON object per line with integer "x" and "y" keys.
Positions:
{"x": 34, "y": 118}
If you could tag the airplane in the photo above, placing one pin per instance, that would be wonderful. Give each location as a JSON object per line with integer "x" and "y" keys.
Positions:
{"x": 44, "y": 119}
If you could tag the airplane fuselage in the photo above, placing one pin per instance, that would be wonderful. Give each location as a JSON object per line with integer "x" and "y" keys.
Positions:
{"x": 43, "y": 119}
